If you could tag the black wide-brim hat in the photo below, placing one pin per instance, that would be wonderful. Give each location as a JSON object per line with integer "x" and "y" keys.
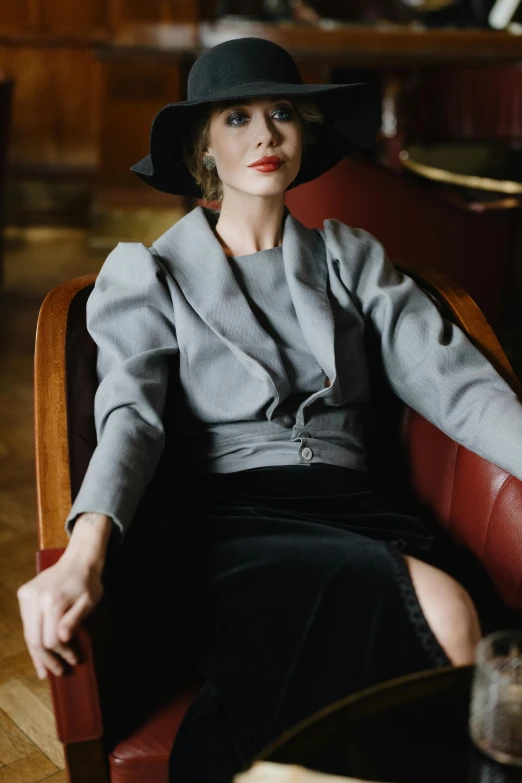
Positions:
{"x": 252, "y": 68}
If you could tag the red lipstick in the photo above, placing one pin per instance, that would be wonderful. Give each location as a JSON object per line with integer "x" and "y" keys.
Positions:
{"x": 268, "y": 163}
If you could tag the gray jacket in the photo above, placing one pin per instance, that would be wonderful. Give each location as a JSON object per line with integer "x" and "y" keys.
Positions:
{"x": 180, "y": 299}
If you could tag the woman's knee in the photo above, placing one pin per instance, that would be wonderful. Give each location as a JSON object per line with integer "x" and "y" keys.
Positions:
{"x": 449, "y": 610}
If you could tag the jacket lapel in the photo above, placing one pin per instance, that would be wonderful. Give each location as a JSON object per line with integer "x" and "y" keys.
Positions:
{"x": 200, "y": 267}
{"x": 304, "y": 256}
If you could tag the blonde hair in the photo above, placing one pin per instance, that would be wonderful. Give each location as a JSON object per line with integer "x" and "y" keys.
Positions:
{"x": 196, "y": 141}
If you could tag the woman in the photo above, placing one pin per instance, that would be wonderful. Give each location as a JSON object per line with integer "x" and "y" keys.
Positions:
{"x": 312, "y": 585}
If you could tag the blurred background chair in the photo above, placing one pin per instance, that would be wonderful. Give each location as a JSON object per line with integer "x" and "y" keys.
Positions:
{"x": 127, "y": 738}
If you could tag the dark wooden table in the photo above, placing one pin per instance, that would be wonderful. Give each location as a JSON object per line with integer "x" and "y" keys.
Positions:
{"x": 410, "y": 730}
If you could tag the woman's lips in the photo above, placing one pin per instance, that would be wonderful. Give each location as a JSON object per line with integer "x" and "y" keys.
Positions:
{"x": 267, "y": 166}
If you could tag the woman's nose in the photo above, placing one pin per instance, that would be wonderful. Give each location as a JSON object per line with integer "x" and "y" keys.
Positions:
{"x": 266, "y": 130}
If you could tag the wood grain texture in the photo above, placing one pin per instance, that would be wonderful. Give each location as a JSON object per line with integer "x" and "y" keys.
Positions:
{"x": 128, "y": 12}
{"x": 55, "y": 107}
{"x": 33, "y": 718}
{"x": 133, "y": 91}
{"x": 75, "y": 18}
{"x": 19, "y": 18}
{"x": 14, "y": 744}
{"x": 31, "y": 769}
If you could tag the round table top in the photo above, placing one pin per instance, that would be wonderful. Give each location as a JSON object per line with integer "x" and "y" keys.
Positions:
{"x": 413, "y": 729}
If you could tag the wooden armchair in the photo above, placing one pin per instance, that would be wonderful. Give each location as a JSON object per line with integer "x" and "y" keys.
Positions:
{"x": 478, "y": 504}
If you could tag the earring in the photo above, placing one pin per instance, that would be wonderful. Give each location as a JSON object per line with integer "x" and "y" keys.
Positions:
{"x": 209, "y": 162}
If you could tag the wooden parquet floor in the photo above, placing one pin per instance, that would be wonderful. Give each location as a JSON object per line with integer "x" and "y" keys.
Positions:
{"x": 34, "y": 262}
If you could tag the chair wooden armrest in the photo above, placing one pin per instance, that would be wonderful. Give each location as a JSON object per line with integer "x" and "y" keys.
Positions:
{"x": 53, "y": 481}
{"x": 75, "y": 695}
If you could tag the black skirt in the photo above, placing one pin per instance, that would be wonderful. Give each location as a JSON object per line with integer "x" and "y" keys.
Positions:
{"x": 293, "y": 593}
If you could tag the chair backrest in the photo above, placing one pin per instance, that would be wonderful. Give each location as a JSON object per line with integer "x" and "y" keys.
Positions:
{"x": 415, "y": 225}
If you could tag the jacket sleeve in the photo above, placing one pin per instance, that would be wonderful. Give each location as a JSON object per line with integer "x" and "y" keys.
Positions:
{"x": 130, "y": 317}
{"x": 430, "y": 363}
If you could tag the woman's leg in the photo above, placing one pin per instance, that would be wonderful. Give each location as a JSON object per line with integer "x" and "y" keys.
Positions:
{"x": 449, "y": 610}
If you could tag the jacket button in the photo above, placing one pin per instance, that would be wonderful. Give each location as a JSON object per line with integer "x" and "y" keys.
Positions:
{"x": 307, "y": 453}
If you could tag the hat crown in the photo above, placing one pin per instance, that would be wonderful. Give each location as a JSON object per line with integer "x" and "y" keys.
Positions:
{"x": 240, "y": 62}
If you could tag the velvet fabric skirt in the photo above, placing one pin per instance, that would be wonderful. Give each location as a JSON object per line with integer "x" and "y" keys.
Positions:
{"x": 292, "y": 592}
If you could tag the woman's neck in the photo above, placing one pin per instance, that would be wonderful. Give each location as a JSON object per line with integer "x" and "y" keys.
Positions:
{"x": 249, "y": 224}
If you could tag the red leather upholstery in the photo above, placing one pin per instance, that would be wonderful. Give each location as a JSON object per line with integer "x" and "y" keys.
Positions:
{"x": 479, "y": 503}
{"x": 143, "y": 757}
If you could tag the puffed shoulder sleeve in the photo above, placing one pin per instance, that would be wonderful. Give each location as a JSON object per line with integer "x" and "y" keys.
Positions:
{"x": 130, "y": 317}
{"x": 430, "y": 363}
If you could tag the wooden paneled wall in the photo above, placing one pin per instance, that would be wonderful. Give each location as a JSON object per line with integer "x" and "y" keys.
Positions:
{"x": 56, "y": 112}
{"x": 151, "y": 11}
{"x": 19, "y": 18}
{"x": 51, "y": 48}
{"x": 134, "y": 89}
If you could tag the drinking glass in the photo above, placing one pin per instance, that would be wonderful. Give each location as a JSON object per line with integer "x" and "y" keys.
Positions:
{"x": 495, "y": 721}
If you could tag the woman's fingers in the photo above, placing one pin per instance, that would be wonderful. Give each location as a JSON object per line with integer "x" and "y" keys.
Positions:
{"x": 41, "y": 658}
{"x": 41, "y": 613}
{"x": 73, "y": 617}
{"x": 53, "y": 605}
{"x": 54, "y": 609}
{"x": 32, "y": 633}
{"x": 48, "y": 660}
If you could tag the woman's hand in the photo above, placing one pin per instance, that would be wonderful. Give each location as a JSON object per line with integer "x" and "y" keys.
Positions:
{"x": 52, "y": 606}
{"x": 268, "y": 772}
{"x": 54, "y": 603}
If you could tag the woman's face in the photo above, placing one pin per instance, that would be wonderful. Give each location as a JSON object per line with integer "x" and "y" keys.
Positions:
{"x": 243, "y": 132}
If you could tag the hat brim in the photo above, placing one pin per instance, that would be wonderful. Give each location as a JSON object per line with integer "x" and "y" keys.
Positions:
{"x": 352, "y": 119}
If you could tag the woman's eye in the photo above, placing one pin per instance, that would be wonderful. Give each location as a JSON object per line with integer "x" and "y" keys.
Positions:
{"x": 231, "y": 119}
{"x": 287, "y": 112}
{"x": 236, "y": 119}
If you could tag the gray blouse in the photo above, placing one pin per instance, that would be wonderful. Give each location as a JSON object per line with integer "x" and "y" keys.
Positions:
{"x": 261, "y": 277}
